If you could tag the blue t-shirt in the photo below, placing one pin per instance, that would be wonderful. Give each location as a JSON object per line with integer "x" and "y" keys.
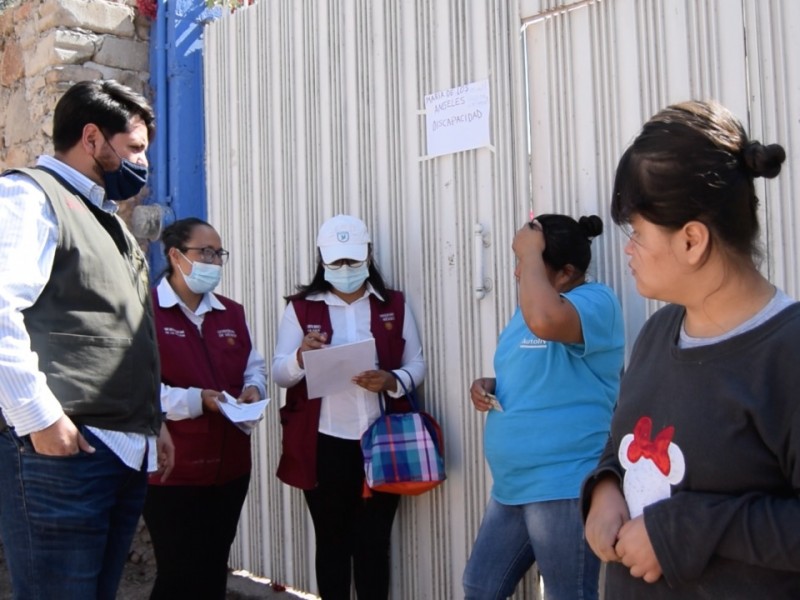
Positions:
{"x": 557, "y": 401}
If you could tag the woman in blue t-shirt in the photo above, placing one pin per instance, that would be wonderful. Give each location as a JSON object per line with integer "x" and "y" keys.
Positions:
{"x": 557, "y": 368}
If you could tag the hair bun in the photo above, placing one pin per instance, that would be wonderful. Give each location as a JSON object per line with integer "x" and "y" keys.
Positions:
{"x": 763, "y": 161}
{"x": 591, "y": 226}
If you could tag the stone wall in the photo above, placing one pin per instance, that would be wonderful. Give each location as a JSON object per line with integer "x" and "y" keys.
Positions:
{"x": 46, "y": 46}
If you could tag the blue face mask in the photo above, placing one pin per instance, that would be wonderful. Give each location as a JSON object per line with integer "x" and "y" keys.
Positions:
{"x": 347, "y": 279}
{"x": 204, "y": 277}
{"x": 125, "y": 182}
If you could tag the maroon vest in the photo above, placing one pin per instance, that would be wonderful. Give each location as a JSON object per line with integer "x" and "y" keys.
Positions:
{"x": 209, "y": 450}
{"x": 300, "y": 416}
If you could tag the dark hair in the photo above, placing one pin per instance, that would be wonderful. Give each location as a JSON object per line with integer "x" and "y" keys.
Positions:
{"x": 693, "y": 162}
{"x": 569, "y": 242}
{"x": 106, "y": 103}
{"x": 318, "y": 283}
{"x": 176, "y": 235}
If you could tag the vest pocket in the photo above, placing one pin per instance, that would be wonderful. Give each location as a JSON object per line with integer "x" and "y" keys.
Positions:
{"x": 90, "y": 374}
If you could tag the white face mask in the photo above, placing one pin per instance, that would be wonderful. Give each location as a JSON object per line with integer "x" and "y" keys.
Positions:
{"x": 347, "y": 279}
{"x": 204, "y": 277}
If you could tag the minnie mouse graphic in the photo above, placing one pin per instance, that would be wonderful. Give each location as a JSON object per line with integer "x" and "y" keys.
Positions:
{"x": 652, "y": 465}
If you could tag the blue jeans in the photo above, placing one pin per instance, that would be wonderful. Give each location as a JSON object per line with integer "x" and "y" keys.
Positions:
{"x": 66, "y": 522}
{"x": 512, "y": 538}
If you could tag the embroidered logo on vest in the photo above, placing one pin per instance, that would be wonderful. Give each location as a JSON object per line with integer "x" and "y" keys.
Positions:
{"x": 230, "y": 334}
{"x": 387, "y": 319}
{"x": 175, "y": 332}
{"x": 75, "y": 204}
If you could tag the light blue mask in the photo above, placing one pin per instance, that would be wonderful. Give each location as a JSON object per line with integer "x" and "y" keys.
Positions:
{"x": 204, "y": 277}
{"x": 347, "y": 279}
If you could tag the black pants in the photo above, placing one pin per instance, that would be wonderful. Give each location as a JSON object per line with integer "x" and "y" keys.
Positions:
{"x": 192, "y": 528}
{"x": 350, "y": 530}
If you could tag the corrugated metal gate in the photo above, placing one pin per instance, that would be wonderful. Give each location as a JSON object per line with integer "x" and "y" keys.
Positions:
{"x": 314, "y": 108}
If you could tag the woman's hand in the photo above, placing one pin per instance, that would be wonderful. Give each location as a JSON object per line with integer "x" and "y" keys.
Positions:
{"x": 607, "y": 514}
{"x": 313, "y": 340}
{"x": 249, "y": 395}
{"x": 479, "y": 389}
{"x": 529, "y": 240}
{"x": 376, "y": 381}
{"x": 209, "y": 399}
{"x": 636, "y": 551}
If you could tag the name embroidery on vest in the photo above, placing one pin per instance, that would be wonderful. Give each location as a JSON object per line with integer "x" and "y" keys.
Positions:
{"x": 176, "y": 332}
{"x": 387, "y": 319}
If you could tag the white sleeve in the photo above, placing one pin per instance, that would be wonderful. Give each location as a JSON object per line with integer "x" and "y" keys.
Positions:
{"x": 181, "y": 403}
{"x": 286, "y": 371}
{"x": 413, "y": 361}
{"x": 255, "y": 373}
{"x": 28, "y": 240}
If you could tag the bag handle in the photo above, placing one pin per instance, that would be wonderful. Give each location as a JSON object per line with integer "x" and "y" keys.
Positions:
{"x": 410, "y": 394}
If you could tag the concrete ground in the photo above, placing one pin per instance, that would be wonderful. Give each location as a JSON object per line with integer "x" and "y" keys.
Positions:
{"x": 243, "y": 586}
{"x": 137, "y": 582}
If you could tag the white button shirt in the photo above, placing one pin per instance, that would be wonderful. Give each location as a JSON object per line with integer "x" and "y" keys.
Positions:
{"x": 346, "y": 414}
{"x": 28, "y": 241}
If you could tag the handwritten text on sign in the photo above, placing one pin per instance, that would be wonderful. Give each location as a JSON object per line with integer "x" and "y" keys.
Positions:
{"x": 458, "y": 119}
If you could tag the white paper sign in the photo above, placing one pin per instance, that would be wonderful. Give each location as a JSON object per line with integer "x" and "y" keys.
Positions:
{"x": 458, "y": 119}
{"x": 330, "y": 370}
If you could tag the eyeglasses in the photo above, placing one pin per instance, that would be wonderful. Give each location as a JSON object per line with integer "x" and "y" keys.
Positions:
{"x": 338, "y": 264}
{"x": 629, "y": 232}
{"x": 209, "y": 254}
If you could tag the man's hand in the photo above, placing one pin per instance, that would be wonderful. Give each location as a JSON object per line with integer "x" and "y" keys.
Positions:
{"x": 61, "y": 438}
{"x": 165, "y": 450}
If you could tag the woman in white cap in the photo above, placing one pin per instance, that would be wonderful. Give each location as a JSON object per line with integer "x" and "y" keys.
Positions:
{"x": 346, "y": 301}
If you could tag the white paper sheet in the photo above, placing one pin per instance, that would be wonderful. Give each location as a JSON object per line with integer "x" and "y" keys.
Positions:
{"x": 330, "y": 370}
{"x": 244, "y": 416}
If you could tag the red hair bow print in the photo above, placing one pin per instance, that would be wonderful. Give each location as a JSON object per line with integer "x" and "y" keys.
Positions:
{"x": 654, "y": 449}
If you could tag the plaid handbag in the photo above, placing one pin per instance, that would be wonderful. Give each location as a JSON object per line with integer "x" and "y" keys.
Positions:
{"x": 403, "y": 452}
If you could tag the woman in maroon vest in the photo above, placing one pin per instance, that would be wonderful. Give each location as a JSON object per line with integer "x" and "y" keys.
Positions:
{"x": 205, "y": 350}
{"x": 346, "y": 301}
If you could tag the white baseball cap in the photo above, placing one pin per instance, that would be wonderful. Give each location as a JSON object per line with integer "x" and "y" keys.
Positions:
{"x": 341, "y": 237}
